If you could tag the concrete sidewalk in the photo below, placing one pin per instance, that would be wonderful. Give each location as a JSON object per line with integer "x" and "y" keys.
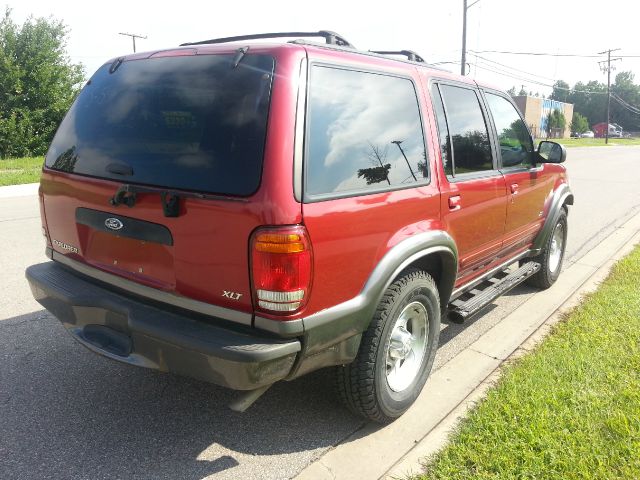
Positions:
{"x": 19, "y": 190}
{"x": 396, "y": 450}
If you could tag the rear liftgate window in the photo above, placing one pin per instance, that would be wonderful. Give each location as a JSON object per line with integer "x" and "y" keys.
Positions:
{"x": 364, "y": 134}
{"x": 189, "y": 122}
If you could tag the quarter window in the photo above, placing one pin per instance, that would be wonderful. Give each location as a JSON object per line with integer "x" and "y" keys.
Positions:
{"x": 467, "y": 130}
{"x": 516, "y": 147}
{"x": 364, "y": 132}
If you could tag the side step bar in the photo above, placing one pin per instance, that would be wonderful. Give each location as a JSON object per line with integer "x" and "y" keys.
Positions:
{"x": 472, "y": 302}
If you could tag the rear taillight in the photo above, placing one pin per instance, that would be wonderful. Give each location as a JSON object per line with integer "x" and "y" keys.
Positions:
{"x": 281, "y": 268}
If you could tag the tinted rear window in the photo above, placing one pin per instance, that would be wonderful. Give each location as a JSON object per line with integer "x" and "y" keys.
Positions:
{"x": 190, "y": 122}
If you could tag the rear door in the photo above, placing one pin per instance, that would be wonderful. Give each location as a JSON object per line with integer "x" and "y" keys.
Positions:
{"x": 473, "y": 192}
{"x": 189, "y": 129}
{"x": 528, "y": 185}
{"x": 367, "y": 182}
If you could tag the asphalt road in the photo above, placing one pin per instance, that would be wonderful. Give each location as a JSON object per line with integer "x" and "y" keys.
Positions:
{"x": 68, "y": 413}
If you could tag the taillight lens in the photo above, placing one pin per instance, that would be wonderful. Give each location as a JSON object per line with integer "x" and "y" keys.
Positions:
{"x": 281, "y": 268}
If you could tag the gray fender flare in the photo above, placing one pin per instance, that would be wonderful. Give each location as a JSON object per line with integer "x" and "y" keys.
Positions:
{"x": 561, "y": 196}
{"x": 352, "y": 317}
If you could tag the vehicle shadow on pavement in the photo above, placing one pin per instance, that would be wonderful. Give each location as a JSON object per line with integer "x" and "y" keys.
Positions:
{"x": 68, "y": 413}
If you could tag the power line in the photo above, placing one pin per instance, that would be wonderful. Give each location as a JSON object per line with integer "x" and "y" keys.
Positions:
{"x": 513, "y": 68}
{"x": 507, "y": 74}
{"x": 542, "y": 54}
{"x": 545, "y": 54}
{"x": 536, "y": 82}
{"x": 626, "y": 105}
{"x": 637, "y": 112}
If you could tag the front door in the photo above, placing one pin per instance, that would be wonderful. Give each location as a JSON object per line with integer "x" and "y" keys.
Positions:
{"x": 528, "y": 185}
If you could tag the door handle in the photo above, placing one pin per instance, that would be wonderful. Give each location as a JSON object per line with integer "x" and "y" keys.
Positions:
{"x": 455, "y": 203}
{"x": 514, "y": 188}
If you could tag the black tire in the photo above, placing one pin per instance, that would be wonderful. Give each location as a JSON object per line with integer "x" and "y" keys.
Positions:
{"x": 363, "y": 385}
{"x": 546, "y": 277}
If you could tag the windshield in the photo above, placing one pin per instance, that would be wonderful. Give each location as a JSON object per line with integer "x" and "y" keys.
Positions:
{"x": 186, "y": 122}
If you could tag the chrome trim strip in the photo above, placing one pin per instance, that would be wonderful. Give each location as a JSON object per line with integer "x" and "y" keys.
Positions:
{"x": 153, "y": 293}
{"x": 467, "y": 286}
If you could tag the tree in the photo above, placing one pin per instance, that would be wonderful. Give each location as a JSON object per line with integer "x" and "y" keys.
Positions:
{"x": 38, "y": 83}
{"x": 579, "y": 123}
{"x": 625, "y": 102}
{"x": 556, "y": 120}
{"x": 560, "y": 91}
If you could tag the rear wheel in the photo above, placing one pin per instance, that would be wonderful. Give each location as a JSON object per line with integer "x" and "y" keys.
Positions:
{"x": 396, "y": 352}
{"x": 552, "y": 255}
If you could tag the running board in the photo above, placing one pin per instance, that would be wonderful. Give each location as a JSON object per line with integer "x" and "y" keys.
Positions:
{"x": 472, "y": 302}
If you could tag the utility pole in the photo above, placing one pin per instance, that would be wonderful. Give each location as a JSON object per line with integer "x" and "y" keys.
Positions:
{"x": 607, "y": 69}
{"x": 463, "y": 61}
{"x": 133, "y": 37}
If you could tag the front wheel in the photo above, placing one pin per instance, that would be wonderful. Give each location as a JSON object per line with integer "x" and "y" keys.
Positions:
{"x": 396, "y": 352}
{"x": 552, "y": 255}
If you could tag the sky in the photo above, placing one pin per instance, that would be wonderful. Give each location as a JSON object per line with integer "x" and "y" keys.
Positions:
{"x": 431, "y": 28}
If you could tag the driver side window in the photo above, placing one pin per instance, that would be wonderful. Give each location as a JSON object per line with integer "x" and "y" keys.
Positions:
{"x": 516, "y": 146}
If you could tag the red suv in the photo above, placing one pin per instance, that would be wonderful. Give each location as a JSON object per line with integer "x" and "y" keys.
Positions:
{"x": 247, "y": 212}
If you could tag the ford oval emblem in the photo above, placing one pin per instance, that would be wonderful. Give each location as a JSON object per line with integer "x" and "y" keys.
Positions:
{"x": 113, "y": 223}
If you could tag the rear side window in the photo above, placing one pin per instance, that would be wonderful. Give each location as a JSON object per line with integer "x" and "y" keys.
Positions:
{"x": 467, "y": 130}
{"x": 363, "y": 133}
{"x": 189, "y": 122}
{"x": 516, "y": 146}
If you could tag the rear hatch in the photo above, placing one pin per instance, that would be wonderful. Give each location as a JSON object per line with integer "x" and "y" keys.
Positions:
{"x": 181, "y": 138}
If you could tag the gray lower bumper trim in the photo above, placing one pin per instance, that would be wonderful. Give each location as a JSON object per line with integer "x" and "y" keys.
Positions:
{"x": 132, "y": 331}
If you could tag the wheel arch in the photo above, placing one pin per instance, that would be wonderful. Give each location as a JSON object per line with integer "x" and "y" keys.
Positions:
{"x": 440, "y": 263}
{"x": 434, "y": 250}
{"x": 562, "y": 197}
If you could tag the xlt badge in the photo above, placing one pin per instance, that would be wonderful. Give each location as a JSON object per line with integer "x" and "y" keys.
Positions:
{"x": 231, "y": 295}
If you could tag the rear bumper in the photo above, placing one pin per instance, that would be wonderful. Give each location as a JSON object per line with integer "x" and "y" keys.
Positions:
{"x": 137, "y": 333}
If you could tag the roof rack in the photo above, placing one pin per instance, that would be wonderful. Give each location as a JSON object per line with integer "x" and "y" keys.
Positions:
{"x": 332, "y": 38}
{"x": 410, "y": 54}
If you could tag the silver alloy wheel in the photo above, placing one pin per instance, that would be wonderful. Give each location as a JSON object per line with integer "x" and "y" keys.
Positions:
{"x": 407, "y": 346}
{"x": 556, "y": 247}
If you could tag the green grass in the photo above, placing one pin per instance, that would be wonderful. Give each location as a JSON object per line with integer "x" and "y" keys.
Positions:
{"x": 570, "y": 409}
{"x": 595, "y": 142}
{"x": 15, "y": 171}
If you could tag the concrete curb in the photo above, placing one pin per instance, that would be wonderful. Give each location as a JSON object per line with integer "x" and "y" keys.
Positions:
{"x": 396, "y": 450}
{"x": 19, "y": 190}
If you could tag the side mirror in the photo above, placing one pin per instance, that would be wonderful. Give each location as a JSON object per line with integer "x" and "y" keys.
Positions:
{"x": 551, "y": 152}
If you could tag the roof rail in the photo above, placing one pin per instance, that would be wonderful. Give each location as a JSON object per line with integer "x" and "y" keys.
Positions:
{"x": 332, "y": 38}
{"x": 410, "y": 54}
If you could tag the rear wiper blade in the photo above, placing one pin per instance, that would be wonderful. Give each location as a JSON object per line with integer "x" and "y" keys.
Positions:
{"x": 240, "y": 53}
{"x": 126, "y": 194}
{"x": 116, "y": 64}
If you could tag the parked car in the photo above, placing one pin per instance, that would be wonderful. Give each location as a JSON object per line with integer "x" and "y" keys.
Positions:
{"x": 245, "y": 213}
{"x": 587, "y": 134}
